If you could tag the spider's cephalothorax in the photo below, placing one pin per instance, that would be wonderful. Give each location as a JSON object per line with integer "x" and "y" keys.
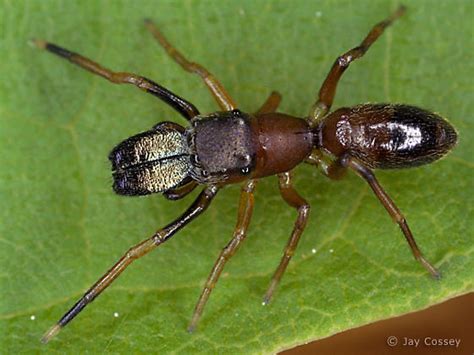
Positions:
{"x": 231, "y": 146}
{"x": 222, "y": 147}
{"x": 234, "y": 146}
{"x": 213, "y": 149}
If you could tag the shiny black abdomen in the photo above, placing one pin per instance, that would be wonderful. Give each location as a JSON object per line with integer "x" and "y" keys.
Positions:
{"x": 387, "y": 136}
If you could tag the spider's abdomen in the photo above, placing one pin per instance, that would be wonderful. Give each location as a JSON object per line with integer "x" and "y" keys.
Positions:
{"x": 149, "y": 162}
{"x": 387, "y": 136}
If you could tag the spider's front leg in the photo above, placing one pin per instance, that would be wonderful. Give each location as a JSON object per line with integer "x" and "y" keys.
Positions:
{"x": 185, "y": 108}
{"x": 136, "y": 252}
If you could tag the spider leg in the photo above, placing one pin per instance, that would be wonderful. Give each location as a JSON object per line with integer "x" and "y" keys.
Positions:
{"x": 217, "y": 90}
{"x": 271, "y": 104}
{"x": 394, "y": 212}
{"x": 181, "y": 191}
{"x": 291, "y": 197}
{"x": 328, "y": 89}
{"x": 136, "y": 252}
{"x": 184, "y": 107}
{"x": 240, "y": 232}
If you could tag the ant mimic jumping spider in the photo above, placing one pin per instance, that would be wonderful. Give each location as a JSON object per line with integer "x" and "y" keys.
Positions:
{"x": 231, "y": 146}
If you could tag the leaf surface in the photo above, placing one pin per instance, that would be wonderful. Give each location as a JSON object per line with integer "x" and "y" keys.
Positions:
{"x": 61, "y": 225}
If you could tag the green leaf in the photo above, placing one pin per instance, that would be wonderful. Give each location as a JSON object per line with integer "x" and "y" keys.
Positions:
{"x": 61, "y": 225}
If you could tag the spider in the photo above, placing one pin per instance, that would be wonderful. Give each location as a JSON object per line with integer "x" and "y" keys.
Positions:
{"x": 231, "y": 146}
